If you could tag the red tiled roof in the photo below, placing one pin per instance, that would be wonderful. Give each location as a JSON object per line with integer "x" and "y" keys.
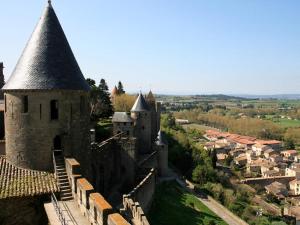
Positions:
{"x": 18, "y": 182}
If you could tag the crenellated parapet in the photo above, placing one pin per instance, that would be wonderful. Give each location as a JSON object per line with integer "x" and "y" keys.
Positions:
{"x": 91, "y": 203}
{"x": 138, "y": 201}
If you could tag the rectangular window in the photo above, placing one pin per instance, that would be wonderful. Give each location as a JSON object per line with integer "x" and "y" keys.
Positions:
{"x": 25, "y": 104}
{"x": 54, "y": 109}
{"x": 40, "y": 111}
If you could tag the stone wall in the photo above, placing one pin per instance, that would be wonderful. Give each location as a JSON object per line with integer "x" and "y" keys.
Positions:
{"x": 30, "y": 135}
{"x": 112, "y": 163}
{"x": 262, "y": 181}
{"x": 2, "y": 147}
{"x": 23, "y": 211}
{"x": 138, "y": 201}
{"x": 92, "y": 204}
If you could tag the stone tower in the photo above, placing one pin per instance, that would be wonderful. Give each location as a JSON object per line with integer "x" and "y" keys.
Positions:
{"x": 162, "y": 149}
{"x": 46, "y": 100}
{"x": 141, "y": 115}
{"x": 152, "y": 104}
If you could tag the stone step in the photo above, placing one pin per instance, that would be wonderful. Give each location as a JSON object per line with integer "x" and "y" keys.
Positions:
{"x": 66, "y": 198}
{"x": 66, "y": 195}
{"x": 66, "y": 191}
{"x": 63, "y": 180}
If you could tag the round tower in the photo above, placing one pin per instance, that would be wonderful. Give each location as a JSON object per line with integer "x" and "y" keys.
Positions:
{"x": 141, "y": 115}
{"x": 162, "y": 149}
{"x": 46, "y": 100}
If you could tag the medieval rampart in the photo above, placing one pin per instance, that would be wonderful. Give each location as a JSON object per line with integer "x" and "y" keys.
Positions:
{"x": 139, "y": 200}
{"x": 91, "y": 204}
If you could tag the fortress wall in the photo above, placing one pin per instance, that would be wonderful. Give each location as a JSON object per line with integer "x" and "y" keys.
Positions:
{"x": 92, "y": 204}
{"x": 2, "y": 147}
{"x": 139, "y": 200}
{"x": 112, "y": 163}
{"x": 264, "y": 181}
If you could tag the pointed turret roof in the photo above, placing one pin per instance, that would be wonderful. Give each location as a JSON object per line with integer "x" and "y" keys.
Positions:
{"x": 150, "y": 97}
{"x": 140, "y": 104}
{"x": 47, "y": 62}
{"x": 114, "y": 91}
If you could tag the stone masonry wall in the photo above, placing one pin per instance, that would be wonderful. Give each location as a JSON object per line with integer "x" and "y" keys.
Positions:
{"x": 91, "y": 203}
{"x": 30, "y": 136}
{"x": 138, "y": 201}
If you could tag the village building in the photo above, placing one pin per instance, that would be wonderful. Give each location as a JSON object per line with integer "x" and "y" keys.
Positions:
{"x": 294, "y": 186}
{"x": 269, "y": 152}
{"x": 241, "y": 160}
{"x": 277, "y": 189}
{"x": 259, "y": 149}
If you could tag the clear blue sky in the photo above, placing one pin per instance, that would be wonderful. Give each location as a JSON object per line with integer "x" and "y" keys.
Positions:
{"x": 172, "y": 46}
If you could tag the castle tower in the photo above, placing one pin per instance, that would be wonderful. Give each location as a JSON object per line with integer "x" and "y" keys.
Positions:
{"x": 162, "y": 149}
{"x": 141, "y": 115}
{"x": 46, "y": 100}
{"x": 154, "y": 116}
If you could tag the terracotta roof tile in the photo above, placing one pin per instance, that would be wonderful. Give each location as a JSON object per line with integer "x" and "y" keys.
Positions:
{"x": 18, "y": 182}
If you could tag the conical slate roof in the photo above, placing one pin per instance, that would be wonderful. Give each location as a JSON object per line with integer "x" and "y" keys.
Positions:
{"x": 150, "y": 97}
{"x": 140, "y": 104}
{"x": 47, "y": 61}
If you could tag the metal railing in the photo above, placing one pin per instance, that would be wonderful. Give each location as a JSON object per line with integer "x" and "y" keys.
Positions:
{"x": 58, "y": 210}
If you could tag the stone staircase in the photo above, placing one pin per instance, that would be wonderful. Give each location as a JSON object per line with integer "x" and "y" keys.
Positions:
{"x": 62, "y": 178}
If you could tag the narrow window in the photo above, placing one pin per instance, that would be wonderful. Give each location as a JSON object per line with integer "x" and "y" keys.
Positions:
{"x": 40, "y": 111}
{"x": 82, "y": 104}
{"x": 54, "y": 109}
{"x": 95, "y": 213}
{"x": 25, "y": 104}
{"x": 5, "y": 107}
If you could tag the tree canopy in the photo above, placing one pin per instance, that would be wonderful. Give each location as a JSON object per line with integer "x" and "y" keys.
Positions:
{"x": 101, "y": 106}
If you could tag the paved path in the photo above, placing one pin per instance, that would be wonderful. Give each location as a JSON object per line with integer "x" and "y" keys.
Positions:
{"x": 70, "y": 211}
{"x": 214, "y": 206}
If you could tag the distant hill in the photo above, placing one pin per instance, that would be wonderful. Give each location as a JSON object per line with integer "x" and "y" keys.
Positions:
{"x": 222, "y": 97}
{"x": 277, "y": 96}
{"x": 207, "y": 97}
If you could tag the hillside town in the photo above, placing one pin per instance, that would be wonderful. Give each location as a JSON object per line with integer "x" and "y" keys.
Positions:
{"x": 265, "y": 163}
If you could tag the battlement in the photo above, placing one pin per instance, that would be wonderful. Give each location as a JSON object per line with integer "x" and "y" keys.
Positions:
{"x": 92, "y": 204}
{"x": 139, "y": 200}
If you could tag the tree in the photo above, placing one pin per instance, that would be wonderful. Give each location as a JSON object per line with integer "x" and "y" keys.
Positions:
{"x": 105, "y": 102}
{"x": 120, "y": 88}
{"x": 101, "y": 106}
{"x": 214, "y": 159}
{"x": 124, "y": 102}
{"x": 289, "y": 144}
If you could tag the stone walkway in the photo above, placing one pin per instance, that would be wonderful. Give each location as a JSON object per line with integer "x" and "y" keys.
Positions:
{"x": 71, "y": 213}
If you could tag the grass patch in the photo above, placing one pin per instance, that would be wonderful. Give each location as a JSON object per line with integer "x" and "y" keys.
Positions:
{"x": 103, "y": 130}
{"x": 173, "y": 205}
{"x": 284, "y": 122}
